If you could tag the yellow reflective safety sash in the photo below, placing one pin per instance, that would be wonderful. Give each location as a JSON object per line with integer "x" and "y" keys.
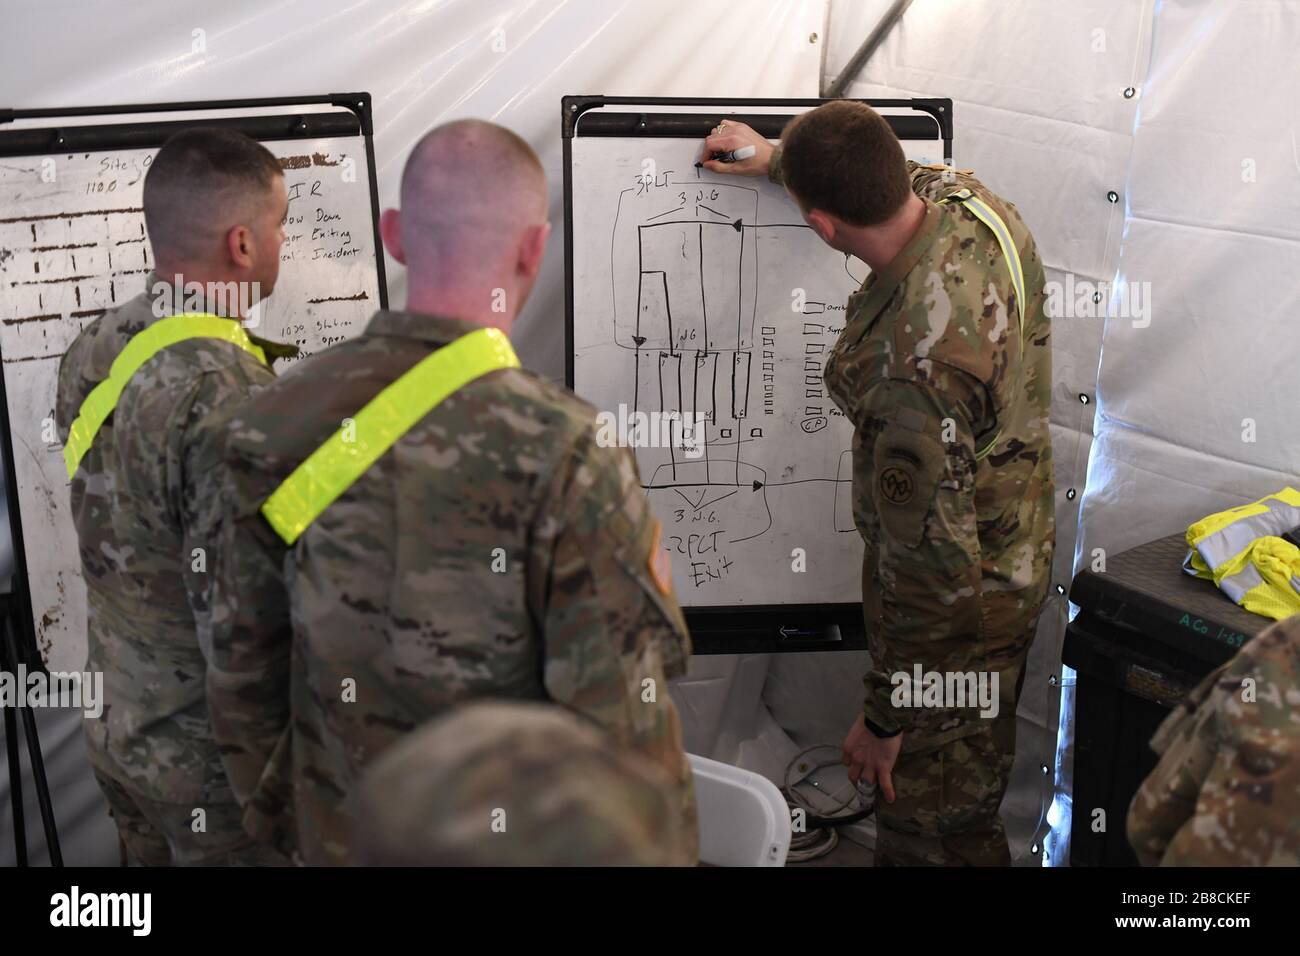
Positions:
{"x": 333, "y": 467}
{"x": 143, "y": 346}
{"x": 1241, "y": 550}
{"x": 1011, "y": 255}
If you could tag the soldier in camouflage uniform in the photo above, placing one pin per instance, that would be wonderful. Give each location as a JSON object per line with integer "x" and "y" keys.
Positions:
{"x": 516, "y": 784}
{"x": 143, "y": 496}
{"x": 1227, "y": 789}
{"x": 495, "y": 549}
{"x": 946, "y": 378}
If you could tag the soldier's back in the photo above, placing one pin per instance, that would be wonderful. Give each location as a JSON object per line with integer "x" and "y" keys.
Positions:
{"x": 421, "y": 585}
{"x": 140, "y": 498}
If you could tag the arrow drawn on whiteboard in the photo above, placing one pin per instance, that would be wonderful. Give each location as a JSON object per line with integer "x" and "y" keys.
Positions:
{"x": 758, "y": 486}
{"x": 740, "y": 224}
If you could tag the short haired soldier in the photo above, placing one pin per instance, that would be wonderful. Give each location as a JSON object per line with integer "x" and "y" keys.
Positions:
{"x": 415, "y": 522}
{"x": 516, "y": 784}
{"x": 1226, "y": 791}
{"x": 944, "y": 369}
{"x": 143, "y": 395}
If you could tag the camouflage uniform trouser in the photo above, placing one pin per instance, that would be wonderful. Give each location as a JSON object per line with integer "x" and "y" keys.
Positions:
{"x": 162, "y": 834}
{"x": 945, "y": 810}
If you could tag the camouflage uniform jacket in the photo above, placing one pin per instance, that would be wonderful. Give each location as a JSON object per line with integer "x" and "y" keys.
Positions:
{"x": 932, "y": 368}
{"x": 495, "y": 550}
{"x": 143, "y": 505}
{"x": 1227, "y": 789}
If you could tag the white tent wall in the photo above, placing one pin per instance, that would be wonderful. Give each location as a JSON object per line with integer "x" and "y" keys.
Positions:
{"x": 1193, "y": 415}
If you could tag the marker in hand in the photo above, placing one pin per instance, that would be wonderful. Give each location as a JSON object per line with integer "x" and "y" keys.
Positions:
{"x": 736, "y": 155}
{"x": 735, "y": 149}
{"x": 732, "y": 155}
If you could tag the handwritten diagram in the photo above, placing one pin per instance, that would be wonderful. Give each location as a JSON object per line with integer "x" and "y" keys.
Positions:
{"x": 708, "y": 295}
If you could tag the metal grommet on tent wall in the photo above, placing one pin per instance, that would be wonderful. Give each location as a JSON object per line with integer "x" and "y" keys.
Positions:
{"x": 1083, "y": 398}
{"x": 1069, "y": 495}
{"x": 1112, "y": 196}
{"x": 1059, "y": 589}
{"x": 1096, "y": 297}
{"x": 1130, "y": 93}
{"x": 1052, "y": 680}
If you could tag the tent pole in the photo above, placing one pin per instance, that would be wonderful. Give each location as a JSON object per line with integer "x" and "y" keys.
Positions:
{"x": 859, "y": 60}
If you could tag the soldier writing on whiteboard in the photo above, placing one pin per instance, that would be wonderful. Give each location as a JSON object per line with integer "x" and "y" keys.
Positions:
{"x": 944, "y": 369}
{"x": 414, "y": 521}
{"x": 143, "y": 393}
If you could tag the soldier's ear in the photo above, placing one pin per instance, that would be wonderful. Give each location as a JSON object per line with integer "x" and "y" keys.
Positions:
{"x": 390, "y": 232}
{"x": 821, "y": 224}
{"x": 239, "y": 245}
{"x": 532, "y": 248}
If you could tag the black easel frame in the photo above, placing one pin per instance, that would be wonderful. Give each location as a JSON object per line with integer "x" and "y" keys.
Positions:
{"x": 742, "y": 628}
{"x": 352, "y": 117}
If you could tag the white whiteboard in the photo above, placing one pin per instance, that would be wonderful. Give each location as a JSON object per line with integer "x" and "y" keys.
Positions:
{"x": 703, "y": 293}
{"x": 72, "y": 247}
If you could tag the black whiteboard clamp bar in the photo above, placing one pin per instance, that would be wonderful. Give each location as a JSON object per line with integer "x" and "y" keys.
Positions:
{"x": 358, "y": 103}
{"x": 931, "y": 112}
{"x": 763, "y": 630}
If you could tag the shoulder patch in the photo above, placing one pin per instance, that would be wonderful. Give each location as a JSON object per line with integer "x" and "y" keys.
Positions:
{"x": 908, "y": 465}
{"x": 898, "y": 483}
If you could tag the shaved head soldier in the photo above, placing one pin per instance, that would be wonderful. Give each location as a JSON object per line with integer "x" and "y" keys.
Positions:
{"x": 415, "y": 521}
{"x": 143, "y": 396}
{"x": 944, "y": 369}
{"x": 516, "y": 784}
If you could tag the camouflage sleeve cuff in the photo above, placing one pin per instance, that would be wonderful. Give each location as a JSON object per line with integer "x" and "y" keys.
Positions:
{"x": 877, "y": 730}
{"x": 774, "y": 169}
{"x": 878, "y": 712}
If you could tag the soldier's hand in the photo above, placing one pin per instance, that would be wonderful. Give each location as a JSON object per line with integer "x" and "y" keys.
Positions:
{"x": 730, "y": 135}
{"x": 872, "y": 758}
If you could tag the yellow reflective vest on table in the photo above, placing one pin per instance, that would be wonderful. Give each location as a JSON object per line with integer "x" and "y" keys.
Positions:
{"x": 1243, "y": 552}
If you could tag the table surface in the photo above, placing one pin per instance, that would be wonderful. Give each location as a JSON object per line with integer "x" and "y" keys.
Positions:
{"x": 1146, "y": 589}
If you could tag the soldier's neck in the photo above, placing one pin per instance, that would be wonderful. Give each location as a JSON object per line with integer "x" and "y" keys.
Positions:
{"x": 195, "y": 287}
{"x": 490, "y": 310}
{"x": 880, "y": 245}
